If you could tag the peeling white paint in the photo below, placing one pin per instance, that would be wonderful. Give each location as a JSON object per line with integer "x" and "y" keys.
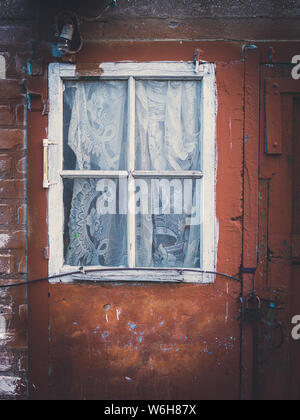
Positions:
{"x": 3, "y": 292}
{"x": 21, "y": 166}
{"x": 5, "y": 365}
{"x": 4, "y": 239}
{"x": 9, "y": 385}
{"x": 2, "y": 67}
{"x": 227, "y": 313}
{"x": 2, "y": 328}
{"x": 118, "y": 314}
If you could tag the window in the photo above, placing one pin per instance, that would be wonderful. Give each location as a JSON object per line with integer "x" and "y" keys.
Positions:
{"x": 132, "y": 171}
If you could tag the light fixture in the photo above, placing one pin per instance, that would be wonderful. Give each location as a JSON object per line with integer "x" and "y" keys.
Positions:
{"x": 68, "y": 36}
{"x": 67, "y": 23}
{"x": 65, "y": 38}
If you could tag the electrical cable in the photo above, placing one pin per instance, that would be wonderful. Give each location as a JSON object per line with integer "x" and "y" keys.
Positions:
{"x": 111, "y": 4}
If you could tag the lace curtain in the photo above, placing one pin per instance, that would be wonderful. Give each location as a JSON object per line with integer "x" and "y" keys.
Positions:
{"x": 95, "y": 137}
{"x": 168, "y": 138}
{"x": 168, "y": 125}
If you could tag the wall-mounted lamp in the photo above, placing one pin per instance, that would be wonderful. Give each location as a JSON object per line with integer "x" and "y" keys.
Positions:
{"x": 67, "y": 32}
{"x": 67, "y": 29}
{"x": 65, "y": 38}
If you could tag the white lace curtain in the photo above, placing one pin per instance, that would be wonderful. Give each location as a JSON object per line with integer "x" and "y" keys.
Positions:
{"x": 168, "y": 125}
{"x": 167, "y": 138}
{"x": 96, "y": 133}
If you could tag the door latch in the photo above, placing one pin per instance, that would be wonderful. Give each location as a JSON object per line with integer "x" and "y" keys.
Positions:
{"x": 46, "y": 144}
{"x": 253, "y": 310}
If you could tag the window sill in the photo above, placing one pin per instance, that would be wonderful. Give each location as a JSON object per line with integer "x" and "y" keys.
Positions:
{"x": 142, "y": 275}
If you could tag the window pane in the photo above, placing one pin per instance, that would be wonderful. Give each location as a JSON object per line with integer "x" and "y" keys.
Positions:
{"x": 94, "y": 231}
{"x": 168, "y": 223}
{"x": 95, "y": 125}
{"x": 168, "y": 125}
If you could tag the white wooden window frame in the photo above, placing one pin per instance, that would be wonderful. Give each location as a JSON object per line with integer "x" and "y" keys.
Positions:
{"x": 58, "y": 74}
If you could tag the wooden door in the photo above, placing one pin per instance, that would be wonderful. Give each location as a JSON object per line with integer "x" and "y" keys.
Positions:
{"x": 277, "y": 279}
{"x": 295, "y": 301}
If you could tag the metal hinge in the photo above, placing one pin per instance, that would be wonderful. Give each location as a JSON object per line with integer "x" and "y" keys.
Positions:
{"x": 46, "y": 253}
{"x": 197, "y": 60}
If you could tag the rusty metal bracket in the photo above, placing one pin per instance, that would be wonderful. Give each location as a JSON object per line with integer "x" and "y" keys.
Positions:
{"x": 252, "y": 309}
{"x": 197, "y": 61}
{"x": 250, "y": 270}
{"x": 247, "y": 47}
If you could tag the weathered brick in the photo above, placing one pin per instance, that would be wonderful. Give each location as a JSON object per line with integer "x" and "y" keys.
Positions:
{"x": 12, "y": 35}
{"x": 23, "y": 313}
{"x": 6, "y": 214}
{"x": 11, "y": 89}
{"x": 12, "y": 239}
{"x": 6, "y": 312}
{"x": 6, "y": 360}
{"x": 20, "y": 114}
{"x": 20, "y": 65}
{"x": 5, "y": 166}
{"x": 5, "y": 318}
{"x": 12, "y": 188}
{"x": 12, "y": 262}
{"x": 21, "y": 262}
{"x": 13, "y": 320}
{"x": 21, "y": 214}
{"x": 6, "y": 115}
{"x": 21, "y": 166}
{"x": 13, "y": 294}
{"x": 22, "y": 364}
{"x": 7, "y": 264}
{"x": 10, "y": 138}
{"x": 12, "y": 386}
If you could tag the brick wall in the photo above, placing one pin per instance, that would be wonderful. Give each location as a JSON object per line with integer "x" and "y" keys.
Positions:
{"x": 13, "y": 302}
